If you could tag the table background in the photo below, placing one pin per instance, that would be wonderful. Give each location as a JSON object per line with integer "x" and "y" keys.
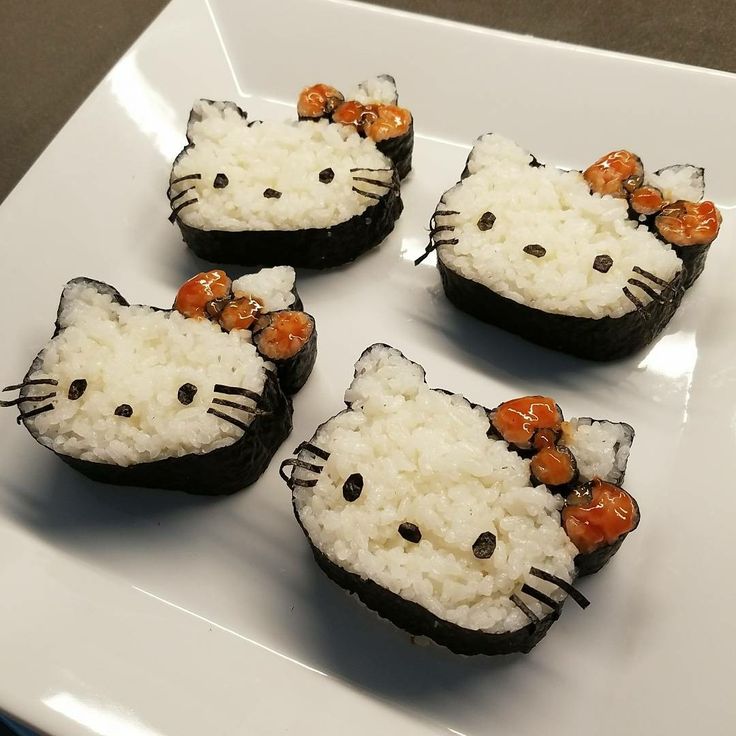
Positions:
{"x": 52, "y": 54}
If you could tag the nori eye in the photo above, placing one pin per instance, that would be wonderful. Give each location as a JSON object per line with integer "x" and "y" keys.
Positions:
{"x": 485, "y": 545}
{"x": 486, "y": 221}
{"x": 352, "y": 487}
{"x": 76, "y": 388}
{"x": 186, "y": 393}
{"x": 603, "y": 263}
{"x": 326, "y": 176}
{"x": 220, "y": 182}
{"x": 410, "y": 532}
{"x": 536, "y": 250}
{"x": 271, "y": 193}
{"x": 124, "y": 410}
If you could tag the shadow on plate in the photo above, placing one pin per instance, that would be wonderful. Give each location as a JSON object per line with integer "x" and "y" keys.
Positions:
{"x": 355, "y": 644}
{"x": 59, "y": 502}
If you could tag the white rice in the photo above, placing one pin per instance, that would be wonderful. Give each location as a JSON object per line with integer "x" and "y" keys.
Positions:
{"x": 286, "y": 157}
{"x": 425, "y": 458}
{"x": 679, "y": 182}
{"x": 272, "y": 286}
{"x": 554, "y": 209}
{"x": 376, "y": 90}
{"x": 140, "y": 357}
{"x": 600, "y": 448}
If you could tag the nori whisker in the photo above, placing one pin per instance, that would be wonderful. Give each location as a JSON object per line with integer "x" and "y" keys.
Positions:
{"x": 376, "y": 182}
{"x": 367, "y": 194}
{"x": 635, "y": 301}
{"x": 182, "y": 178}
{"x": 429, "y": 249}
{"x": 241, "y": 407}
{"x": 451, "y": 241}
{"x": 181, "y": 194}
{"x": 318, "y": 451}
{"x": 362, "y": 168}
{"x": 445, "y": 213}
{"x": 573, "y": 592}
{"x": 227, "y": 418}
{"x": 295, "y": 462}
{"x": 661, "y": 282}
{"x": 440, "y": 228}
{"x": 648, "y": 289}
{"x": 32, "y": 382}
{"x": 222, "y": 388}
{"x": 303, "y": 483}
{"x": 33, "y": 412}
{"x": 178, "y": 209}
{"x": 541, "y": 597}
{"x": 21, "y": 399}
{"x": 524, "y": 608}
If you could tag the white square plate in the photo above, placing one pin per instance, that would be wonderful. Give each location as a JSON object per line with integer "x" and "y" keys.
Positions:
{"x": 142, "y": 613}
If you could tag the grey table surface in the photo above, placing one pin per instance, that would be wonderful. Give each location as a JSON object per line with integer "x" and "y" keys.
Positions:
{"x": 52, "y": 54}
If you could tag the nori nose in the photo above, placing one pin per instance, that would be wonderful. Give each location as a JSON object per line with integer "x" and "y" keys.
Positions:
{"x": 124, "y": 410}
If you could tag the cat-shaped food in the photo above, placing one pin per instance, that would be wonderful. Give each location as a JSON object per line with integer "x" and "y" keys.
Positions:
{"x": 194, "y": 398}
{"x": 593, "y": 263}
{"x": 308, "y": 193}
{"x": 453, "y": 521}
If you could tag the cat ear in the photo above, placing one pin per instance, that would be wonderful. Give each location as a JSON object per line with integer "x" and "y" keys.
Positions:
{"x": 378, "y": 357}
{"x": 209, "y": 111}
{"x": 84, "y": 299}
{"x": 381, "y": 88}
{"x": 492, "y": 150}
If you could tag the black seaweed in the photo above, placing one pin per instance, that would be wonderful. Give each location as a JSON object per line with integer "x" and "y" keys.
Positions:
{"x": 486, "y": 221}
{"x": 221, "y": 471}
{"x": 399, "y": 149}
{"x": 485, "y": 545}
{"x": 602, "y": 339}
{"x": 536, "y": 250}
{"x": 293, "y": 372}
{"x": 186, "y": 393}
{"x": 352, "y": 487}
{"x": 316, "y": 248}
{"x": 602, "y": 263}
{"x": 606, "y": 338}
{"x": 309, "y": 248}
{"x": 417, "y": 620}
{"x": 693, "y": 261}
{"x": 410, "y": 532}
{"x": 77, "y": 388}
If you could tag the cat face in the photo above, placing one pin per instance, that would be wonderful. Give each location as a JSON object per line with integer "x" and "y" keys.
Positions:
{"x": 536, "y": 235}
{"x": 130, "y": 384}
{"x": 407, "y": 489}
{"x": 236, "y": 175}
{"x": 125, "y": 385}
{"x": 444, "y": 516}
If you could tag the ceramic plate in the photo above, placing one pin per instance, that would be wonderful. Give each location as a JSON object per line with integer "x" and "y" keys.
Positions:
{"x": 141, "y": 613}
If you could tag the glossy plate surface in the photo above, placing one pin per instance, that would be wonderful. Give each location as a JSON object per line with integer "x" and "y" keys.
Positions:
{"x": 141, "y": 613}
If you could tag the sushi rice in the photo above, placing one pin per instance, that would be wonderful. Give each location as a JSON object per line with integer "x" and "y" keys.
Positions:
{"x": 286, "y": 157}
{"x": 554, "y": 208}
{"x": 140, "y": 356}
{"x": 425, "y": 456}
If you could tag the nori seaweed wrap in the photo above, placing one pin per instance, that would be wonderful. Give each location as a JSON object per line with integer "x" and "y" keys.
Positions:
{"x": 311, "y": 193}
{"x": 390, "y": 496}
{"x": 176, "y": 399}
{"x": 594, "y": 264}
